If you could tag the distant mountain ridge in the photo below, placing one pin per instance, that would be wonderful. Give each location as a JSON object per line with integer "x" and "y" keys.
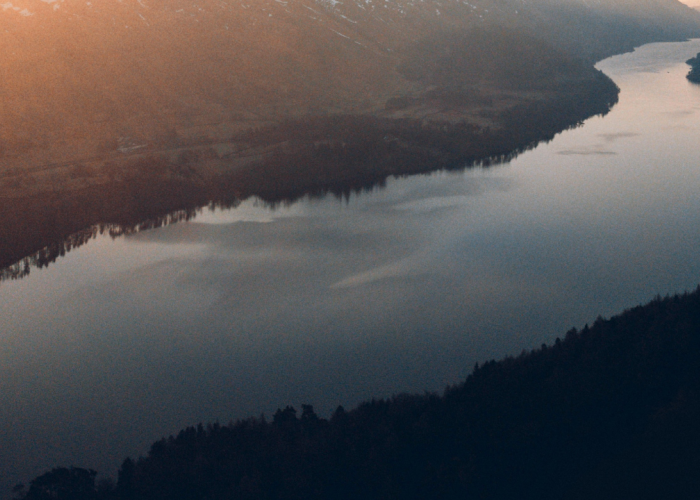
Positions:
{"x": 81, "y": 76}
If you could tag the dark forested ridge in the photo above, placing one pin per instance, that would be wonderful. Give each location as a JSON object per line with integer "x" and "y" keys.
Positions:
{"x": 610, "y": 411}
{"x": 694, "y": 74}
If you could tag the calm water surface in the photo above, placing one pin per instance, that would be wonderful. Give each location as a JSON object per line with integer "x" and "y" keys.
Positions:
{"x": 331, "y": 302}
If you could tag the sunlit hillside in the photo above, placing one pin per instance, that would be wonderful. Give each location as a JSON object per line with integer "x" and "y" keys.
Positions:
{"x": 86, "y": 79}
{"x": 118, "y": 69}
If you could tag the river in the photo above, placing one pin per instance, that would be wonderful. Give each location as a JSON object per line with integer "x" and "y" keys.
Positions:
{"x": 333, "y": 301}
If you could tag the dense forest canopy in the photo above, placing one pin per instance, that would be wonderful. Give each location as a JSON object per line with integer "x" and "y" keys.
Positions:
{"x": 608, "y": 412}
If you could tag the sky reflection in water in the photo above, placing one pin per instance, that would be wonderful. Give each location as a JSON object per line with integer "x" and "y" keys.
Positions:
{"x": 331, "y": 302}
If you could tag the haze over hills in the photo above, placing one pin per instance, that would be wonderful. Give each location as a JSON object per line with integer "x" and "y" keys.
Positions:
{"x": 82, "y": 79}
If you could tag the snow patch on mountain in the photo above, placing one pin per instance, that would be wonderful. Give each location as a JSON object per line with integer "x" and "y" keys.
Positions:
{"x": 13, "y": 8}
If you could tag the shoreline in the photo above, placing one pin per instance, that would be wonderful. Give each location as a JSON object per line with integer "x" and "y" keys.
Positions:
{"x": 49, "y": 212}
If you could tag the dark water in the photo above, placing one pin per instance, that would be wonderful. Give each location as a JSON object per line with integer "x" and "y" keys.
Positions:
{"x": 330, "y": 302}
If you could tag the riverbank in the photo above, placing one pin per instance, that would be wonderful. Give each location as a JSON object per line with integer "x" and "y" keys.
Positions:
{"x": 47, "y": 211}
{"x": 289, "y": 105}
{"x": 694, "y": 74}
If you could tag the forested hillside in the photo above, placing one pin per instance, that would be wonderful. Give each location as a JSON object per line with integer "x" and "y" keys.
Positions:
{"x": 119, "y": 113}
{"x": 607, "y": 412}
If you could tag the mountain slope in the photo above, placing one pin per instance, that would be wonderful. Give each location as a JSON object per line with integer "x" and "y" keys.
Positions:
{"x": 78, "y": 76}
{"x": 110, "y": 108}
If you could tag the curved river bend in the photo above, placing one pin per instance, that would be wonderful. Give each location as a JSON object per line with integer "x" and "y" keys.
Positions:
{"x": 331, "y": 302}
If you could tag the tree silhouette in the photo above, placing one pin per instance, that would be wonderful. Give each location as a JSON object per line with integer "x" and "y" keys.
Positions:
{"x": 62, "y": 484}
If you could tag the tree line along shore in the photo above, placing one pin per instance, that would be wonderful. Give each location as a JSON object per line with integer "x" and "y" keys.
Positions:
{"x": 609, "y": 411}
